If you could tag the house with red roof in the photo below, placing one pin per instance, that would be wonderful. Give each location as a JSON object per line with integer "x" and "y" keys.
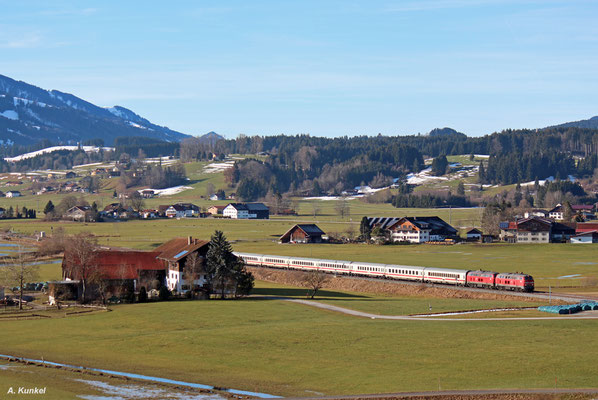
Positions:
{"x": 178, "y": 264}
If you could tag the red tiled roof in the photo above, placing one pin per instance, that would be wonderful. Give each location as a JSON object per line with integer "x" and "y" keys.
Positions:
{"x": 122, "y": 264}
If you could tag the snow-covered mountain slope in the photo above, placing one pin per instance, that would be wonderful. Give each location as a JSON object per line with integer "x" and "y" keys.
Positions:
{"x": 32, "y": 154}
{"x": 29, "y": 114}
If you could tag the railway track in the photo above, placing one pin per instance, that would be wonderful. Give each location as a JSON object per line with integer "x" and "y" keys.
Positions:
{"x": 573, "y": 298}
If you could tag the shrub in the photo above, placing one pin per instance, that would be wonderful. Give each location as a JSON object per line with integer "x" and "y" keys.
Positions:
{"x": 164, "y": 293}
{"x": 142, "y": 296}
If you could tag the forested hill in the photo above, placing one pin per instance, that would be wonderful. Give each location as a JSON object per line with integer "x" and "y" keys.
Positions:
{"x": 305, "y": 162}
{"x": 29, "y": 114}
{"x": 591, "y": 123}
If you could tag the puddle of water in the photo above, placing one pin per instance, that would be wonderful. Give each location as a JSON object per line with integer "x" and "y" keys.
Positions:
{"x": 576, "y": 276}
{"x": 584, "y": 263}
{"x": 8, "y": 245}
{"x": 147, "y": 378}
{"x": 130, "y": 392}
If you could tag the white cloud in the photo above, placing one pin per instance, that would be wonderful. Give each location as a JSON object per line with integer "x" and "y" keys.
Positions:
{"x": 13, "y": 41}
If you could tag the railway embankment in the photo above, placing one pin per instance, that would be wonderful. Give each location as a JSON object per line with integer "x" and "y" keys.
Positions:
{"x": 380, "y": 286}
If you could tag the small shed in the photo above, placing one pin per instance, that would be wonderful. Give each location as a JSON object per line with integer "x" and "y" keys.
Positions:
{"x": 474, "y": 234}
{"x": 585, "y": 237}
{"x": 303, "y": 233}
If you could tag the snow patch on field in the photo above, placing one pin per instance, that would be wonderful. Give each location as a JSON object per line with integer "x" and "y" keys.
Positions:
{"x": 333, "y": 197}
{"x": 423, "y": 176}
{"x": 168, "y": 191}
{"x": 215, "y": 167}
{"x": 542, "y": 182}
{"x": 87, "y": 149}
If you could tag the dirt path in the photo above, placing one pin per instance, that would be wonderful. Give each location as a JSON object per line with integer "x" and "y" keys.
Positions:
{"x": 355, "y": 313}
{"x": 540, "y": 393}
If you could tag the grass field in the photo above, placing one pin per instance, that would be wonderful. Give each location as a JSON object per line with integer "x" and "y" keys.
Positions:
{"x": 555, "y": 265}
{"x": 289, "y": 349}
{"x": 387, "y": 304}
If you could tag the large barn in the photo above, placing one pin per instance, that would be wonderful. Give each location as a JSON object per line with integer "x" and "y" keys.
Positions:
{"x": 122, "y": 270}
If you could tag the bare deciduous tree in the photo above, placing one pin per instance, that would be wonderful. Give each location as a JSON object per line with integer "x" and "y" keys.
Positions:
{"x": 315, "y": 280}
{"x": 17, "y": 272}
{"x": 342, "y": 207}
{"x": 193, "y": 269}
{"x": 81, "y": 255}
{"x": 315, "y": 207}
{"x": 137, "y": 201}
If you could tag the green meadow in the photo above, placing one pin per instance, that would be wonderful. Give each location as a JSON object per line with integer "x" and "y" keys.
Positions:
{"x": 282, "y": 348}
{"x": 552, "y": 265}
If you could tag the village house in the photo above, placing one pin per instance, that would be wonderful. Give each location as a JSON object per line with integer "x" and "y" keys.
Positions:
{"x": 585, "y": 237}
{"x": 536, "y": 213}
{"x": 415, "y": 229}
{"x": 70, "y": 175}
{"x": 174, "y": 255}
{"x": 303, "y": 233}
{"x": 13, "y": 183}
{"x": 557, "y": 213}
{"x": 535, "y": 230}
{"x": 13, "y": 193}
{"x": 181, "y": 210}
{"x": 215, "y": 210}
{"x": 217, "y": 196}
{"x": 149, "y": 214}
{"x": 246, "y": 211}
{"x": 78, "y": 213}
{"x": 117, "y": 211}
{"x": 147, "y": 193}
{"x": 585, "y": 210}
{"x": 70, "y": 187}
{"x": 473, "y": 235}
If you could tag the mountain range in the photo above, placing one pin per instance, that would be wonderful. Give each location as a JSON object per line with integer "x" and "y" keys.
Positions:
{"x": 29, "y": 114}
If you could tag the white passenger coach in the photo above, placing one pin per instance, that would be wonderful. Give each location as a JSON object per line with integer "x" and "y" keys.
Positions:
{"x": 402, "y": 272}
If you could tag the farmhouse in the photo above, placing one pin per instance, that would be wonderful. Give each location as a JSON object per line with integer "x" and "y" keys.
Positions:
{"x": 415, "y": 229}
{"x": 303, "y": 233}
{"x": 181, "y": 210}
{"x": 124, "y": 270}
{"x": 535, "y": 230}
{"x": 13, "y": 193}
{"x": 174, "y": 256}
{"x": 246, "y": 211}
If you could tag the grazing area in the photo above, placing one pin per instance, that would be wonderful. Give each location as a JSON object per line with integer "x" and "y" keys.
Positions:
{"x": 567, "y": 267}
{"x": 276, "y": 347}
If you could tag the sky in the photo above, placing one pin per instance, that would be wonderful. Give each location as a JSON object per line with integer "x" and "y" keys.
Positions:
{"x": 325, "y": 68}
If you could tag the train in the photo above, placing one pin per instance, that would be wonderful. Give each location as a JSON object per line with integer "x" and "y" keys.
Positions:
{"x": 515, "y": 281}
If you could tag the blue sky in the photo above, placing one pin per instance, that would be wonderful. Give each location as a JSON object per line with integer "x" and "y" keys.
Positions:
{"x": 326, "y": 68}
